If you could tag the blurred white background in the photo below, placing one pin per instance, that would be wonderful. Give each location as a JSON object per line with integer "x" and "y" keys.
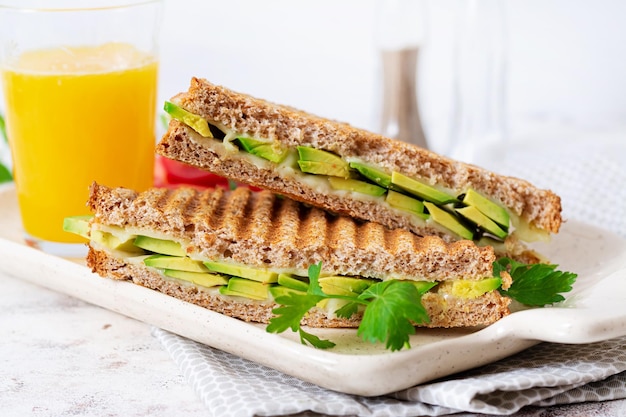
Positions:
{"x": 565, "y": 59}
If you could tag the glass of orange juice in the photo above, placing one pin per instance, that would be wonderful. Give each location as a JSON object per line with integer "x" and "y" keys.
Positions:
{"x": 80, "y": 85}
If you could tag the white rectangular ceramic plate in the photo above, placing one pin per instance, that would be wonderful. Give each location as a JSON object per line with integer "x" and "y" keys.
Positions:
{"x": 594, "y": 311}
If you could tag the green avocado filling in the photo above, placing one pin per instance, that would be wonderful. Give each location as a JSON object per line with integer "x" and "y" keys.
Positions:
{"x": 469, "y": 215}
{"x": 170, "y": 259}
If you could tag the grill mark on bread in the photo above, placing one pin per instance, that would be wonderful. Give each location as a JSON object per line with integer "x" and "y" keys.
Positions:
{"x": 342, "y": 234}
{"x": 373, "y": 237}
{"x": 235, "y": 213}
{"x": 295, "y": 236}
{"x": 189, "y": 213}
{"x": 216, "y": 217}
{"x": 256, "y": 223}
{"x": 312, "y": 233}
{"x": 178, "y": 206}
{"x": 285, "y": 217}
{"x": 207, "y": 210}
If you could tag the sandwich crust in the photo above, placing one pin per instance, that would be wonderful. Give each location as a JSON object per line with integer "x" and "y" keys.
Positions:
{"x": 259, "y": 118}
{"x": 449, "y": 312}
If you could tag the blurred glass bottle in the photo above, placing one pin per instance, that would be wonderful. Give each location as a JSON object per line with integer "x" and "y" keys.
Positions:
{"x": 400, "y": 32}
{"x": 478, "y": 133}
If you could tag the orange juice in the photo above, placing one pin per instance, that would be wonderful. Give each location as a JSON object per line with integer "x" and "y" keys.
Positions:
{"x": 74, "y": 116}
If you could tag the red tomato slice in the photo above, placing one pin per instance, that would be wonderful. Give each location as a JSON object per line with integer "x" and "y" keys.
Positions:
{"x": 170, "y": 173}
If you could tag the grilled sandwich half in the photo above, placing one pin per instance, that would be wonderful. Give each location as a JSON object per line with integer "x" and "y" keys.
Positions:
{"x": 235, "y": 252}
{"x": 349, "y": 171}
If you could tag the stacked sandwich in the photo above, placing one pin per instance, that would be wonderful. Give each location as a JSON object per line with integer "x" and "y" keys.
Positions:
{"x": 347, "y": 221}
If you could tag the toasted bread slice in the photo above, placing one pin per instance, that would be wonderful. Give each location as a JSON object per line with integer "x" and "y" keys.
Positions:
{"x": 535, "y": 213}
{"x": 443, "y": 312}
{"x": 261, "y": 230}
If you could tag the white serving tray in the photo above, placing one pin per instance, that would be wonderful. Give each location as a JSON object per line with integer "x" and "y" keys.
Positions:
{"x": 594, "y": 311}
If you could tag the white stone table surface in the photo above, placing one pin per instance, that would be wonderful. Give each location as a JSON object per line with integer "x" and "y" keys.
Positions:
{"x": 60, "y": 356}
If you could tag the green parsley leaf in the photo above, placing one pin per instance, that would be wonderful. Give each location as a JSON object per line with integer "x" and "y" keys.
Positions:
{"x": 391, "y": 310}
{"x": 535, "y": 285}
{"x": 314, "y": 340}
{"x": 3, "y": 130}
{"x": 314, "y": 273}
{"x": 5, "y": 174}
{"x": 390, "y": 316}
{"x": 347, "y": 310}
{"x": 294, "y": 307}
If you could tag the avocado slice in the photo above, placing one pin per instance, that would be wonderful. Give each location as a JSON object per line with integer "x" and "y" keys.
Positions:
{"x": 203, "y": 279}
{"x": 271, "y": 151}
{"x": 322, "y": 168}
{"x": 225, "y": 291}
{"x": 338, "y": 285}
{"x": 255, "y": 274}
{"x": 356, "y": 186}
{"x": 79, "y": 225}
{"x": 406, "y": 203}
{"x": 179, "y": 263}
{"x": 423, "y": 286}
{"x": 162, "y": 246}
{"x": 194, "y": 121}
{"x": 113, "y": 242}
{"x": 306, "y": 153}
{"x": 280, "y": 291}
{"x": 472, "y": 214}
{"x": 289, "y": 281}
{"x": 373, "y": 174}
{"x": 248, "y": 144}
{"x": 245, "y": 288}
{"x": 316, "y": 161}
{"x": 449, "y": 221}
{"x": 471, "y": 289}
{"x": 487, "y": 207}
{"x": 421, "y": 189}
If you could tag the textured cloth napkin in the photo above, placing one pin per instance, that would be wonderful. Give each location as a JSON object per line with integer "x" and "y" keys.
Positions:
{"x": 544, "y": 375}
{"x": 547, "y": 374}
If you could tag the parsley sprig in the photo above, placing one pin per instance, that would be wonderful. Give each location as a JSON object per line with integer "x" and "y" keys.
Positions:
{"x": 5, "y": 174}
{"x": 393, "y": 308}
{"x": 534, "y": 285}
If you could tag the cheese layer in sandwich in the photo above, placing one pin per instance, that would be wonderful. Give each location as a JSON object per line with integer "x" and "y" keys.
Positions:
{"x": 349, "y": 171}
{"x": 235, "y": 251}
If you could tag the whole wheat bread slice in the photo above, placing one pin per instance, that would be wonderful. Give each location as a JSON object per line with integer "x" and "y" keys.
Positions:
{"x": 483, "y": 310}
{"x": 290, "y": 127}
{"x": 262, "y": 230}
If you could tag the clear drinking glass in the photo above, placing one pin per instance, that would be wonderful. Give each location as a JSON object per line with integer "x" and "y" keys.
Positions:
{"x": 80, "y": 86}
